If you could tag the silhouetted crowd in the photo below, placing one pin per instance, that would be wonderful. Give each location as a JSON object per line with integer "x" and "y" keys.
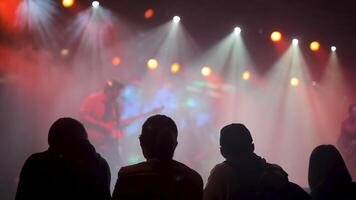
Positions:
{"x": 72, "y": 169}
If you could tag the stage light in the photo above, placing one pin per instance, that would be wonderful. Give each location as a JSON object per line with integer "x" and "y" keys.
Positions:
{"x": 67, "y": 3}
{"x": 246, "y": 75}
{"x": 206, "y": 71}
{"x": 294, "y": 81}
{"x": 276, "y": 36}
{"x": 116, "y": 61}
{"x": 333, "y": 48}
{"x": 152, "y": 64}
{"x": 95, "y": 4}
{"x": 176, "y": 19}
{"x": 175, "y": 67}
{"x": 295, "y": 42}
{"x": 237, "y": 30}
{"x": 149, "y": 13}
{"x": 314, "y": 46}
{"x": 64, "y": 52}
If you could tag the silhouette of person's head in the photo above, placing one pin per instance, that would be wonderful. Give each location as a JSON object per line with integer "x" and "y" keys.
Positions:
{"x": 326, "y": 166}
{"x": 235, "y": 141}
{"x": 65, "y": 134}
{"x": 158, "y": 138}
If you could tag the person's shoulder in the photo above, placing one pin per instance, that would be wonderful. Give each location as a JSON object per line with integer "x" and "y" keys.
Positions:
{"x": 40, "y": 156}
{"x": 222, "y": 168}
{"x": 101, "y": 160}
{"x": 272, "y": 167}
{"x": 187, "y": 174}
{"x": 135, "y": 168}
{"x": 38, "y": 160}
{"x": 184, "y": 168}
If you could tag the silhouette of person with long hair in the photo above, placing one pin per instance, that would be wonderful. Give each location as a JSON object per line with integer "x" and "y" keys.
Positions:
{"x": 69, "y": 169}
{"x": 245, "y": 175}
{"x": 159, "y": 177}
{"x": 328, "y": 175}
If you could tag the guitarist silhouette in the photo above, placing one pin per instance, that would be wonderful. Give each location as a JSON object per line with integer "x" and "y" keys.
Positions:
{"x": 100, "y": 114}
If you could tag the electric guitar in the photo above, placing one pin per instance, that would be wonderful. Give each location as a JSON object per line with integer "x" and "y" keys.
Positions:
{"x": 114, "y": 130}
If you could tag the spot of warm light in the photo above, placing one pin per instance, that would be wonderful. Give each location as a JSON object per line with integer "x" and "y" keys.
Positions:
{"x": 67, "y": 3}
{"x": 294, "y": 81}
{"x": 152, "y": 64}
{"x": 175, "y": 67}
{"x": 246, "y": 75}
{"x": 237, "y": 30}
{"x": 314, "y": 46}
{"x": 295, "y": 42}
{"x": 116, "y": 61}
{"x": 64, "y": 52}
{"x": 276, "y": 36}
{"x": 95, "y": 4}
{"x": 206, "y": 71}
{"x": 149, "y": 13}
{"x": 333, "y": 48}
{"x": 176, "y": 19}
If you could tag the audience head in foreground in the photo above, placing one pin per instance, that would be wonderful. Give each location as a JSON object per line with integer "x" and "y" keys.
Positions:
{"x": 69, "y": 169}
{"x": 245, "y": 175}
{"x": 158, "y": 138}
{"x": 159, "y": 177}
{"x": 328, "y": 176}
{"x": 236, "y": 142}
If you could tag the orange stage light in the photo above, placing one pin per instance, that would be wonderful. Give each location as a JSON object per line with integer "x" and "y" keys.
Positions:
{"x": 116, "y": 61}
{"x": 67, "y": 3}
{"x": 246, "y": 75}
{"x": 314, "y": 46}
{"x": 149, "y": 13}
{"x": 175, "y": 67}
{"x": 276, "y": 36}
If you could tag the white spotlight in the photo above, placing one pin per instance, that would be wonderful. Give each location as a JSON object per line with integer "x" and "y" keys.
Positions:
{"x": 333, "y": 48}
{"x": 95, "y": 4}
{"x": 237, "y": 30}
{"x": 295, "y": 41}
{"x": 176, "y": 19}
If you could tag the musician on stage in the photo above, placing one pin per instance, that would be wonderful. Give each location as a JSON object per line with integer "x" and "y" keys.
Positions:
{"x": 347, "y": 139}
{"x": 100, "y": 114}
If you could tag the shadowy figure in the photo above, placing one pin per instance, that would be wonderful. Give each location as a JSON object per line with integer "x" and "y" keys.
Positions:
{"x": 101, "y": 113}
{"x": 160, "y": 177}
{"x": 328, "y": 175}
{"x": 245, "y": 175}
{"x": 69, "y": 169}
{"x": 347, "y": 140}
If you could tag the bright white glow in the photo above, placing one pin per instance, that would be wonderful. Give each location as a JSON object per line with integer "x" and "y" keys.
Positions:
{"x": 37, "y": 17}
{"x": 333, "y": 48}
{"x": 295, "y": 41}
{"x": 294, "y": 81}
{"x": 176, "y": 19}
{"x": 237, "y": 30}
{"x": 95, "y": 4}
